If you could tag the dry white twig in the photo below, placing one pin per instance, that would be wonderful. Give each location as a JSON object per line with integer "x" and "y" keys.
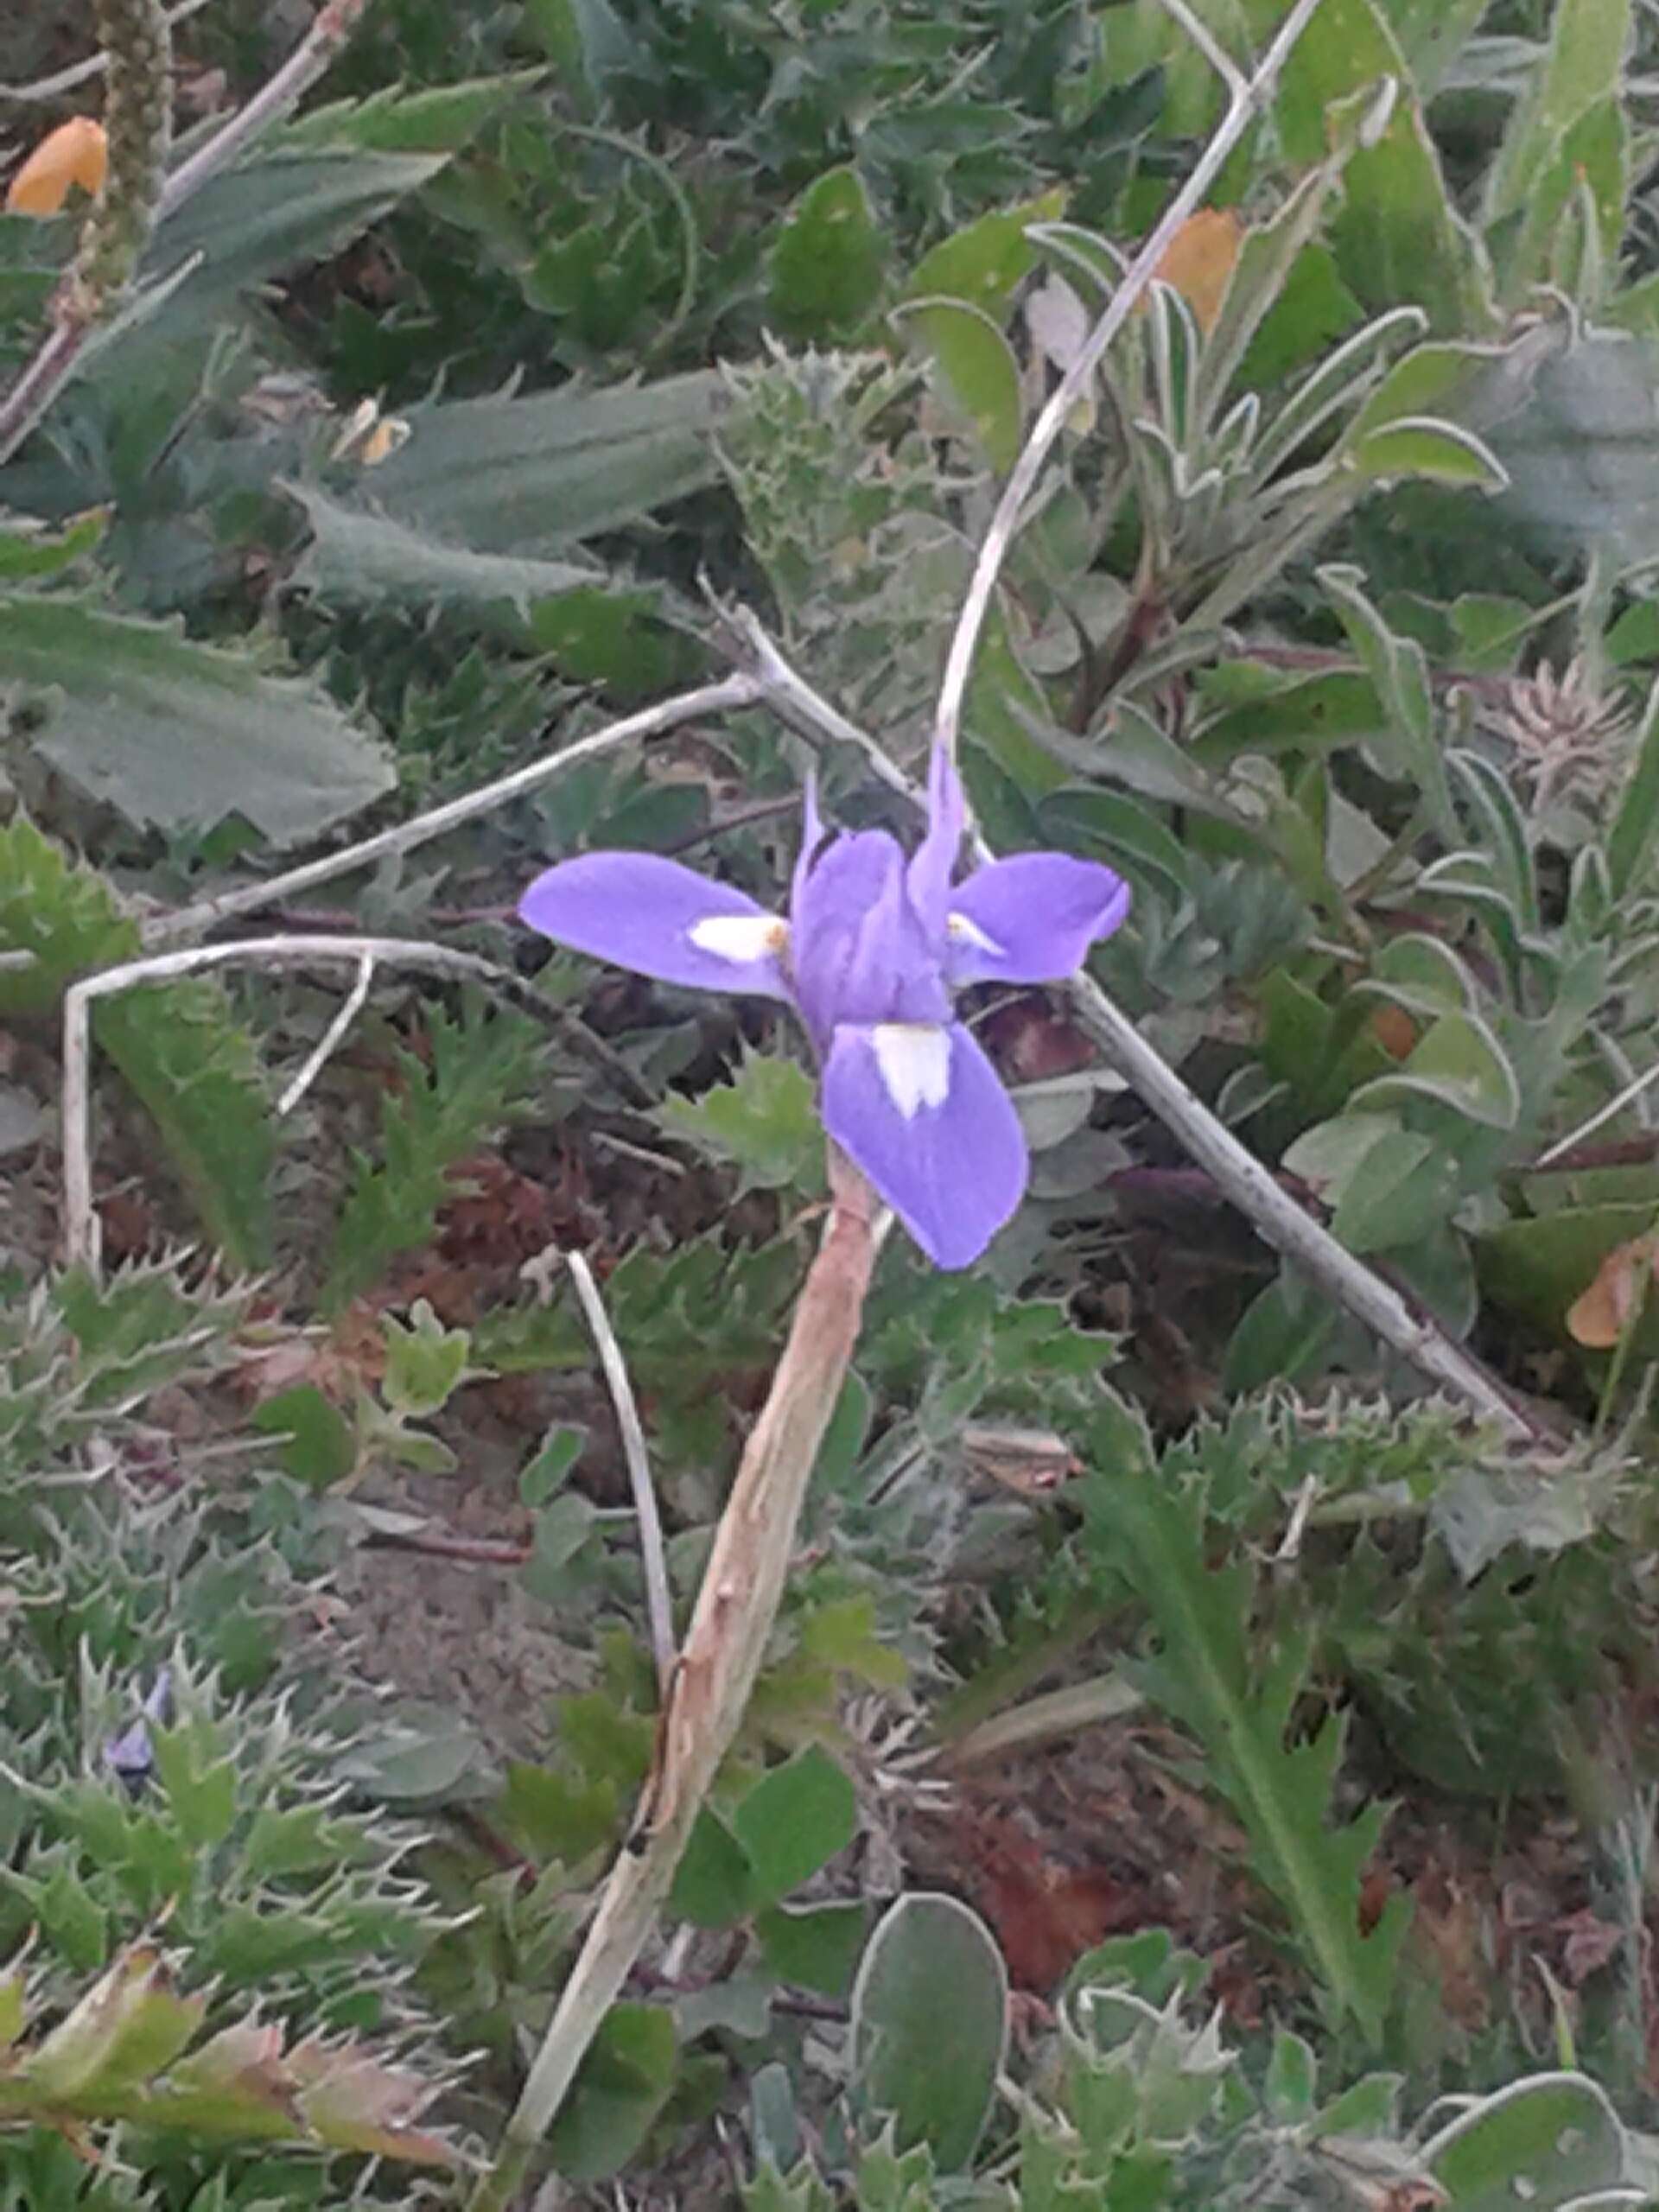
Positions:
{"x": 80, "y": 1225}
{"x": 658, "y": 1605}
{"x": 742, "y": 690}
{"x": 1603, "y": 1114}
{"x": 1246, "y": 96}
{"x": 351, "y": 1007}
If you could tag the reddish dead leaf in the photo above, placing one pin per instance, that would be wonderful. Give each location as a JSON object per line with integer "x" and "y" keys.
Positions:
{"x": 1044, "y": 1913}
{"x": 1590, "y": 1943}
{"x": 1198, "y": 261}
{"x": 1394, "y": 1030}
{"x": 1032, "y": 1042}
{"x": 1598, "y": 1316}
{"x": 76, "y": 153}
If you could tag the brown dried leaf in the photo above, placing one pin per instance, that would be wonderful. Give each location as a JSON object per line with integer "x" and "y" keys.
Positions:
{"x": 1598, "y": 1316}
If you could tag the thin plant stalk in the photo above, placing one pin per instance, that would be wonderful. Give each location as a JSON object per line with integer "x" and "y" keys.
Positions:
{"x": 742, "y": 1587}
{"x": 1247, "y": 96}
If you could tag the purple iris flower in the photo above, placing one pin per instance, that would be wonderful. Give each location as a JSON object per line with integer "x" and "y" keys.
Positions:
{"x": 874, "y": 946}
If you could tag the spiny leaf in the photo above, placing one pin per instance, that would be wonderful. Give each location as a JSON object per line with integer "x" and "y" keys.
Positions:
{"x": 483, "y": 1073}
{"x": 1210, "y": 1676}
{"x": 192, "y": 1065}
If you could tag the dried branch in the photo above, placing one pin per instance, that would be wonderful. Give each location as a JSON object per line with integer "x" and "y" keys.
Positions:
{"x": 251, "y": 898}
{"x": 736, "y": 1606}
{"x": 658, "y": 1605}
{"x": 1246, "y": 97}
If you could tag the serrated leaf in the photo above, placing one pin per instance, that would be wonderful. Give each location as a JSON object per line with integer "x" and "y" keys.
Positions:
{"x": 531, "y": 476}
{"x": 434, "y": 119}
{"x": 179, "y": 1046}
{"x": 1208, "y": 1677}
{"x": 764, "y": 1122}
{"x": 267, "y": 215}
{"x": 482, "y": 1072}
{"x": 359, "y": 557}
{"x": 178, "y": 736}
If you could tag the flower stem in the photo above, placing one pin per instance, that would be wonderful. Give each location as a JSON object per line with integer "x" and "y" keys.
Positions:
{"x": 737, "y": 1604}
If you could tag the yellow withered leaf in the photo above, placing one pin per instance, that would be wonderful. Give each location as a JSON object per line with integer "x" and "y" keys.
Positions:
{"x": 1598, "y": 1316}
{"x": 1200, "y": 258}
{"x": 75, "y": 153}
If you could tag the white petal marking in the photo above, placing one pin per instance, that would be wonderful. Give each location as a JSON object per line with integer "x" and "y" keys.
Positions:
{"x": 740, "y": 938}
{"x": 913, "y": 1060}
{"x": 969, "y": 932}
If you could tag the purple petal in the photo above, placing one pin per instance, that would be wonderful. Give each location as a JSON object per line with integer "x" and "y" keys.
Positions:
{"x": 644, "y": 912}
{"x": 920, "y": 1109}
{"x": 935, "y": 860}
{"x": 1030, "y": 920}
{"x": 857, "y": 949}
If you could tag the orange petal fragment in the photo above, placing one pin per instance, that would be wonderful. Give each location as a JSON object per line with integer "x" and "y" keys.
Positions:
{"x": 1598, "y": 1317}
{"x": 1199, "y": 260}
{"x": 75, "y": 153}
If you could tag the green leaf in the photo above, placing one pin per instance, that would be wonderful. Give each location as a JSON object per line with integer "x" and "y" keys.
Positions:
{"x": 1548, "y": 2142}
{"x": 1458, "y": 1062}
{"x": 764, "y": 1122}
{"x": 434, "y": 119}
{"x": 1238, "y": 1699}
{"x": 178, "y": 1046}
{"x": 559, "y": 1818}
{"x": 1399, "y": 669}
{"x": 29, "y": 553}
{"x": 829, "y": 262}
{"x": 976, "y": 370}
{"x": 1579, "y": 70}
{"x": 1385, "y": 1184}
{"x": 1537, "y": 1267}
{"x": 200, "y": 1780}
{"x": 178, "y": 736}
{"x": 318, "y": 1444}
{"x": 425, "y": 1363}
{"x": 794, "y": 1820}
{"x": 1397, "y": 238}
{"x": 358, "y": 557}
{"x": 1422, "y": 447}
{"x": 714, "y": 1883}
{"x": 929, "y": 2025}
{"x": 621, "y": 2087}
{"x": 985, "y": 264}
{"x": 1634, "y": 835}
{"x": 533, "y": 476}
{"x": 815, "y": 1945}
{"x": 482, "y": 1072}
